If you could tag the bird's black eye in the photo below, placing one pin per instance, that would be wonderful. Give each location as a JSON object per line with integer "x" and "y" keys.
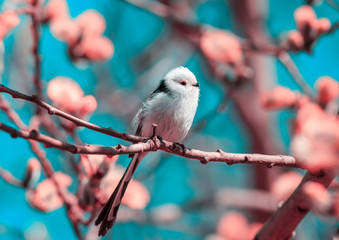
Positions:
{"x": 183, "y": 83}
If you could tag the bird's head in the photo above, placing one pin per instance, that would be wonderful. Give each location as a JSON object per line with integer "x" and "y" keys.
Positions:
{"x": 182, "y": 81}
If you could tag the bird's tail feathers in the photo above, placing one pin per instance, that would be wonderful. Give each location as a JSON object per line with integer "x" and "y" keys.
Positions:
{"x": 109, "y": 213}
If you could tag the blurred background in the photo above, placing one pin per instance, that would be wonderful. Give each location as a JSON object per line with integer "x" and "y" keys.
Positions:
{"x": 229, "y": 115}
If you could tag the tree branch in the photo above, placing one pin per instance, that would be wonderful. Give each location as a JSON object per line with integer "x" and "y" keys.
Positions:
{"x": 77, "y": 121}
{"x": 288, "y": 63}
{"x": 36, "y": 5}
{"x": 282, "y": 223}
{"x": 9, "y": 178}
{"x": 155, "y": 144}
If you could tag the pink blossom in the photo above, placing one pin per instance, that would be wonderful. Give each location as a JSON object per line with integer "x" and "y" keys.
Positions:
{"x": 46, "y": 197}
{"x": 66, "y": 30}
{"x": 91, "y": 22}
{"x": 83, "y": 35}
{"x": 56, "y": 10}
{"x": 328, "y": 90}
{"x": 234, "y": 226}
{"x": 323, "y": 25}
{"x": 94, "y": 48}
{"x": 136, "y": 195}
{"x": 315, "y": 140}
{"x": 279, "y": 97}
{"x": 305, "y": 17}
{"x": 284, "y": 185}
{"x": 295, "y": 40}
{"x": 68, "y": 96}
{"x": 221, "y": 46}
{"x": 320, "y": 197}
{"x": 88, "y": 105}
{"x": 8, "y": 20}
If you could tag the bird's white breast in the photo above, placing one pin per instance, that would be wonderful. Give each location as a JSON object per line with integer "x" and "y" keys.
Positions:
{"x": 172, "y": 114}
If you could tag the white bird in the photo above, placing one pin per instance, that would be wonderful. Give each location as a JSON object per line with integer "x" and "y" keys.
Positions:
{"x": 171, "y": 107}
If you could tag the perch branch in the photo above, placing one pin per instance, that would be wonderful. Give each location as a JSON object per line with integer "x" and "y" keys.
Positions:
{"x": 155, "y": 144}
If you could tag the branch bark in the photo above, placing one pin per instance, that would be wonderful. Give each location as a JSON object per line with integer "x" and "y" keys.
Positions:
{"x": 282, "y": 223}
{"x": 77, "y": 121}
{"x": 155, "y": 144}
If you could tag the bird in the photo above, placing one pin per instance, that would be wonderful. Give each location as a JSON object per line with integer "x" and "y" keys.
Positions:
{"x": 171, "y": 108}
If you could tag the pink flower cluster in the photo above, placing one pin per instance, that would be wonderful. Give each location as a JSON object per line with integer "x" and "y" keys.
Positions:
{"x": 67, "y": 95}
{"x": 315, "y": 141}
{"x": 284, "y": 185}
{"x": 321, "y": 200}
{"x": 8, "y": 20}
{"x": 235, "y": 226}
{"x": 136, "y": 196}
{"x": 309, "y": 28}
{"x": 45, "y": 196}
{"x": 83, "y": 34}
{"x": 221, "y": 46}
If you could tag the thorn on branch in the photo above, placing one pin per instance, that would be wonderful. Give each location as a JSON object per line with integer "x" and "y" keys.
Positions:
{"x": 118, "y": 147}
{"x": 35, "y": 98}
{"x": 220, "y": 151}
{"x": 51, "y": 111}
{"x": 154, "y": 129}
{"x": 270, "y": 165}
{"x": 14, "y": 134}
{"x": 74, "y": 150}
{"x": 205, "y": 160}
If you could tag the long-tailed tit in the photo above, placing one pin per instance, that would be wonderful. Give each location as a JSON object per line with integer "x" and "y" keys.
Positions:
{"x": 171, "y": 107}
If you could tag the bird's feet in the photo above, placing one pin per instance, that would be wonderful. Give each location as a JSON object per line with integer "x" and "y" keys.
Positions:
{"x": 181, "y": 146}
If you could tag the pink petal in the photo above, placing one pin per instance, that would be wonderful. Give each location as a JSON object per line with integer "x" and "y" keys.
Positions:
{"x": 221, "y": 46}
{"x": 95, "y": 48}
{"x": 8, "y": 20}
{"x": 56, "y": 10}
{"x": 65, "y": 93}
{"x": 284, "y": 185}
{"x": 91, "y": 22}
{"x": 89, "y": 104}
{"x": 65, "y": 30}
{"x": 279, "y": 97}
{"x": 305, "y": 16}
{"x": 328, "y": 89}
{"x": 233, "y": 226}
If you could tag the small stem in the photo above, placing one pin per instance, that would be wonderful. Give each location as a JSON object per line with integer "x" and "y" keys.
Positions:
{"x": 35, "y": 48}
{"x": 289, "y": 64}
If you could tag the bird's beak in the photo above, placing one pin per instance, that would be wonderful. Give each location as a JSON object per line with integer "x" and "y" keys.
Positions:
{"x": 196, "y": 85}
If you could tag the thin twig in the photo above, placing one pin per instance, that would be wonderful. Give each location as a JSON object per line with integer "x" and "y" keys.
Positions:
{"x": 333, "y": 4}
{"x": 77, "y": 121}
{"x": 35, "y": 48}
{"x": 9, "y": 178}
{"x": 289, "y": 64}
{"x": 47, "y": 167}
